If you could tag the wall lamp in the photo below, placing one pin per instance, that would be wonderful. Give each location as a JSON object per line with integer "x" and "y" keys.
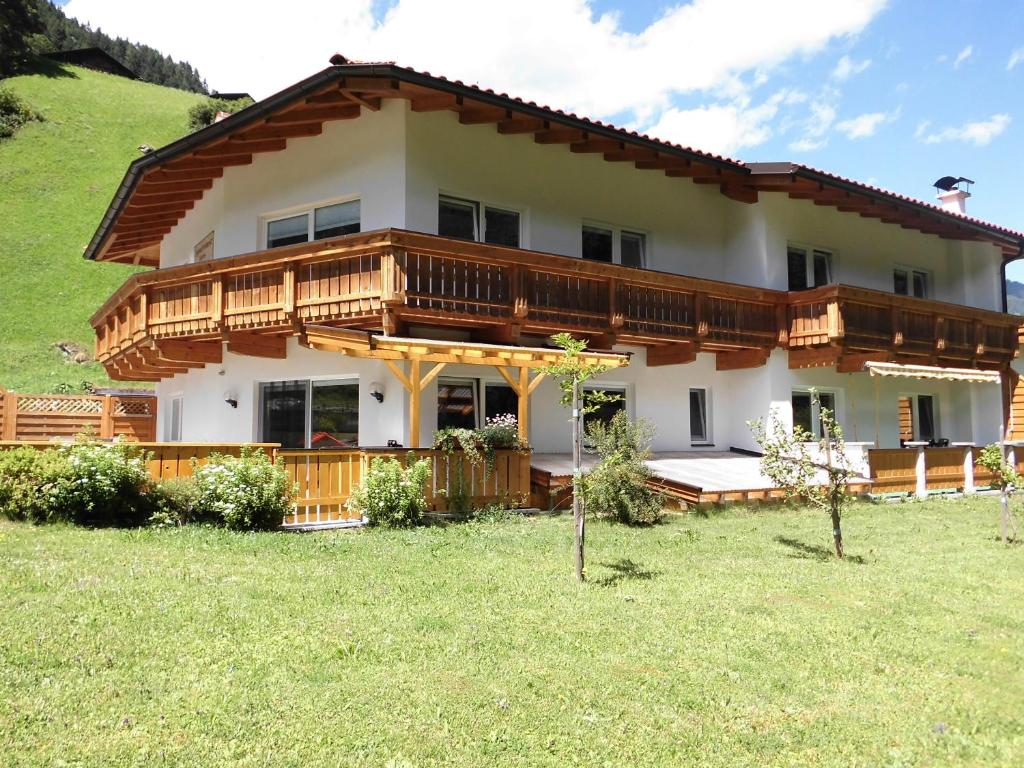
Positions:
{"x": 377, "y": 391}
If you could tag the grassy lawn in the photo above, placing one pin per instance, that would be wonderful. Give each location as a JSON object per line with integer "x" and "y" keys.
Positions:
{"x": 730, "y": 640}
{"x": 56, "y": 179}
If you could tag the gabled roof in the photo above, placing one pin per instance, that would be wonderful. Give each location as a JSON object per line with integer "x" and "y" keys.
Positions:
{"x": 160, "y": 187}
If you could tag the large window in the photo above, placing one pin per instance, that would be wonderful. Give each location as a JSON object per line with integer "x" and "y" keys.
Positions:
{"x": 500, "y": 400}
{"x": 612, "y": 245}
{"x": 457, "y": 403}
{"x": 808, "y": 267}
{"x": 305, "y": 414}
{"x": 807, "y": 413}
{"x": 316, "y": 224}
{"x": 462, "y": 219}
{"x": 699, "y": 432}
{"x": 910, "y": 282}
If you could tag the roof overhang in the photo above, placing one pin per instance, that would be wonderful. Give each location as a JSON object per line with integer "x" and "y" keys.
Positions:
{"x": 932, "y": 373}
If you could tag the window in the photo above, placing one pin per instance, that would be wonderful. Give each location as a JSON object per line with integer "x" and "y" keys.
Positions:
{"x": 500, "y": 399}
{"x": 926, "y": 418}
{"x": 808, "y": 267}
{"x": 456, "y": 403}
{"x": 317, "y": 224}
{"x": 611, "y": 245}
{"x": 203, "y": 250}
{"x": 597, "y": 244}
{"x": 605, "y": 411}
{"x": 910, "y": 282}
{"x": 699, "y": 417}
{"x": 304, "y": 414}
{"x": 173, "y": 426}
{"x": 807, "y": 413}
{"x": 461, "y": 219}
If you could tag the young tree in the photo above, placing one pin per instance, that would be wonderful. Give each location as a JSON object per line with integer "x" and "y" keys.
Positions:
{"x": 572, "y": 371}
{"x": 788, "y": 462}
{"x": 1004, "y": 475}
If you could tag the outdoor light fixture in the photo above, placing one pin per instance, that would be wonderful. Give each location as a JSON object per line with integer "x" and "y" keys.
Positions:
{"x": 377, "y": 391}
{"x": 231, "y": 399}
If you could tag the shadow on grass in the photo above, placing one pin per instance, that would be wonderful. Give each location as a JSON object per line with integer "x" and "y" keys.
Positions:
{"x": 47, "y": 68}
{"x": 815, "y": 552}
{"x": 625, "y": 570}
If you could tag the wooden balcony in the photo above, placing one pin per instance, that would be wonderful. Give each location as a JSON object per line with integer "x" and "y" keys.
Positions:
{"x": 163, "y": 322}
{"x": 166, "y": 321}
{"x": 838, "y": 325}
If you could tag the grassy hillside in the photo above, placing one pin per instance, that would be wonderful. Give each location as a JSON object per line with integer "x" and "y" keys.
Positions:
{"x": 56, "y": 179}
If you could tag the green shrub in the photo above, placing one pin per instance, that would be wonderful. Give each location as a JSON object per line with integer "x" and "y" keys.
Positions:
{"x": 23, "y": 472}
{"x": 14, "y": 113}
{"x": 617, "y": 487}
{"x": 99, "y": 484}
{"x": 205, "y": 112}
{"x": 391, "y": 495}
{"x": 244, "y": 493}
{"x": 176, "y": 502}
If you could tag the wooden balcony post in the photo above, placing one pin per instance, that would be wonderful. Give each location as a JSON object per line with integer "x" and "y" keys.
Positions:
{"x": 288, "y": 278}
{"x": 897, "y": 327}
{"x": 782, "y": 324}
{"x": 217, "y": 299}
{"x": 940, "y": 333}
{"x": 393, "y": 276}
{"x": 979, "y": 338}
{"x": 615, "y": 316}
{"x": 700, "y": 326}
{"x": 144, "y": 311}
{"x": 835, "y": 320}
{"x": 517, "y": 285}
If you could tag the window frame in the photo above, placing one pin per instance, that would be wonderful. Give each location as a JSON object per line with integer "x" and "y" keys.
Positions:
{"x": 309, "y": 209}
{"x": 617, "y": 232}
{"x": 816, "y": 409}
{"x": 911, "y": 272}
{"x": 174, "y": 425}
{"x": 915, "y": 406}
{"x": 480, "y": 207}
{"x": 206, "y": 242}
{"x": 624, "y": 389}
{"x": 706, "y": 439}
{"x": 476, "y": 386}
{"x": 809, "y": 251}
{"x": 308, "y": 409}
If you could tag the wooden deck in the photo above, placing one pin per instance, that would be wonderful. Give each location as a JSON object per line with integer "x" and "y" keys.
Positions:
{"x": 164, "y": 322}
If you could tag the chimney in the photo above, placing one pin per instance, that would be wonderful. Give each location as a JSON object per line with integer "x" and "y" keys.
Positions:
{"x": 953, "y": 193}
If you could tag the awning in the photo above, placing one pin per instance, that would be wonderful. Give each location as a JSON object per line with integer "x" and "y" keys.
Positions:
{"x": 934, "y": 373}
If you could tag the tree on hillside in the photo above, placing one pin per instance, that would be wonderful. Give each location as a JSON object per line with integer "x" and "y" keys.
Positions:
{"x": 572, "y": 371}
{"x": 205, "y": 112}
{"x": 19, "y": 23}
{"x": 787, "y": 461}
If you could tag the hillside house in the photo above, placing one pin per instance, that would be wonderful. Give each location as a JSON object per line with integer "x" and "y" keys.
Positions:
{"x": 375, "y": 253}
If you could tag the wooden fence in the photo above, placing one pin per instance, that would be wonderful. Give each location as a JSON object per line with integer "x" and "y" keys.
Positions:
{"x": 49, "y": 417}
{"x": 917, "y": 470}
{"x": 325, "y": 479}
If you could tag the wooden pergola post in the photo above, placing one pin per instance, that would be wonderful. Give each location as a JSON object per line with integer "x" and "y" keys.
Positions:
{"x": 414, "y": 384}
{"x": 523, "y": 388}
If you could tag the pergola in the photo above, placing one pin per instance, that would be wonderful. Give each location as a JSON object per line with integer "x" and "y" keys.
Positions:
{"x": 513, "y": 363}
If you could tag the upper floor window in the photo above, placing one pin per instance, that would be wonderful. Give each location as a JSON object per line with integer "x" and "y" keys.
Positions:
{"x": 808, "y": 267}
{"x": 462, "y": 219}
{"x": 316, "y": 224}
{"x": 612, "y": 245}
{"x": 910, "y": 282}
{"x": 203, "y": 250}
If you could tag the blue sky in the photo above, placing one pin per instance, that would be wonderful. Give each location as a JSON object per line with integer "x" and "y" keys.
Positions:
{"x": 895, "y": 93}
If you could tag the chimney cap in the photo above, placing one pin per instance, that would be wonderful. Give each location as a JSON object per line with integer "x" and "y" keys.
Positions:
{"x": 337, "y": 59}
{"x": 949, "y": 183}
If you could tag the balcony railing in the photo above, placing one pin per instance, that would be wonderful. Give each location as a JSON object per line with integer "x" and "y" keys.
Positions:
{"x": 381, "y": 280}
{"x": 863, "y": 320}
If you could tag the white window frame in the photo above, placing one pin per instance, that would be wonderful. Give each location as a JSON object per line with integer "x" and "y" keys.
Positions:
{"x": 480, "y": 207}
{"x": 308, "y": 417}
{"x": 617, "y": 231}
{"x": 172, "y": 425}
{"x": 707, "y": 439}
{"x": 477, "y": 386}
{"x": 207, "y": 241}
{"x": 627, "y": 395}
{"x": 910, "y": 280}
{"x": 310, "y": 210}
{"x": 816, "y": 408}
{"x": 809, "y": 249}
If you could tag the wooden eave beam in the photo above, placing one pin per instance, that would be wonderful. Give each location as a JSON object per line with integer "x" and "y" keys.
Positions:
{"x": 372, "y": 103}
{"x": 190, "y": 351}
{"x": 743, "y": 358}
{"x": 518, "y": 125}
{"x": 435, "y": 102}
{"x": 147, "y": 187}
{"x": 164, "y": 176}
{"x": 313, "y": 114}
{"x": 480, "y": 115}
{"x": 671, "y": 354}
{"x": 165, "y": 198}
{"x": 220, "y": 162}
{"x": 596, "y": 145}
{"x": 257, "y": 345}
{"x": 240, "y": 147}
{"x": 559, "y": 135}
{"x": 629, "y": 154}
{"x": 290, "y": 131}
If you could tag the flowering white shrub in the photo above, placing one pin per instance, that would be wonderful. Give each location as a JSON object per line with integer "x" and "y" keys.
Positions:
{"x": 98, "y": 484}
{"x": 501, "y": 432}
{"x": 392, "y": 495}
{"x": 245, "y": 493}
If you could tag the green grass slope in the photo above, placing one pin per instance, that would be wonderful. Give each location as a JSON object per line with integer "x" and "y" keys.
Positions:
{"x": 56, "y": 179}
{"x": 731, "y": 641}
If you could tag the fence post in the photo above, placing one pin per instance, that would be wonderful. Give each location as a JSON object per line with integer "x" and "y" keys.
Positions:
{"x": 921, "y": 470}
{"x": 10, "y": 406}
{"x": 968, "y": 449}
{"x": 107, "y": 418}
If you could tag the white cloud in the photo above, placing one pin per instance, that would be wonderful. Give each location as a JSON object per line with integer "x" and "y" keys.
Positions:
{"x": 922, "y": 127}
{"x": 813, "y": 128}
{"x": 722, "y": 128}
{"x": 865, "y": 125}
{"x": 556, "y": 52}
{"x": 978, "y": 133}
{"x": 807, "y": 145}
{"x": 963, "y": 56}
{"x": 847, "y": 68}
{"x": 1015, "y": 58}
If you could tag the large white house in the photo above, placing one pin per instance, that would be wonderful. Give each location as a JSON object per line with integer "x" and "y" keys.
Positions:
{"x": 371, "y": 202}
